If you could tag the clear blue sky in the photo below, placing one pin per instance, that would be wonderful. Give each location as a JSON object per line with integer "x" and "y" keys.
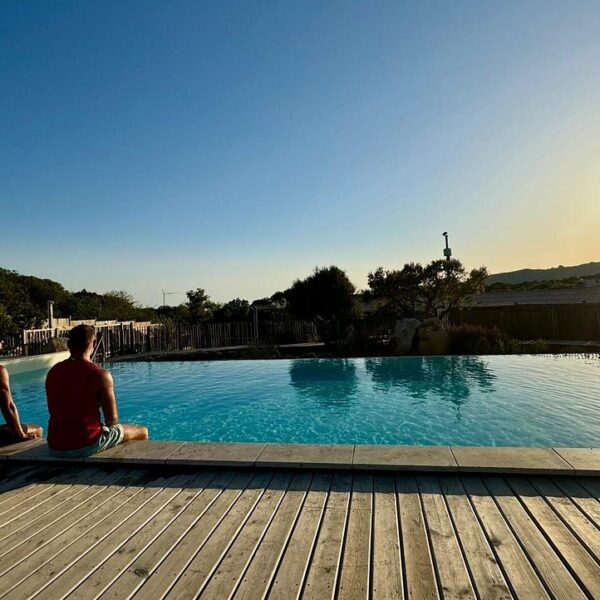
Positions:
{"x": 236, "y": 145}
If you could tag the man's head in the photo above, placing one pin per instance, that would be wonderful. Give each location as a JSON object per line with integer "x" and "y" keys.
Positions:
{"x": 81, "y": 340}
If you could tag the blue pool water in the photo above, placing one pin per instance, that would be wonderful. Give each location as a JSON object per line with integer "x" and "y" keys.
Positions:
{"x": 458, "y": 400}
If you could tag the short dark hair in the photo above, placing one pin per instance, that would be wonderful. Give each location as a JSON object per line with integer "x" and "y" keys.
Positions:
{"x": 81, "y": 336}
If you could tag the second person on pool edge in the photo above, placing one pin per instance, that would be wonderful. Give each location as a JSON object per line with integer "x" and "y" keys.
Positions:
{"x": 77, "y": 390}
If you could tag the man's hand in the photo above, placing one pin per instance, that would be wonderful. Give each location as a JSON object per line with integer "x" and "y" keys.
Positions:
{"x": 20, "y": 435}
{"x": 30, "y": 433}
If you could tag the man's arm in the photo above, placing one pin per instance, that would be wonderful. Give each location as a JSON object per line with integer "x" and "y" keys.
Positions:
{"x": 102, "y": 384}
{"x": 8, "y": 407}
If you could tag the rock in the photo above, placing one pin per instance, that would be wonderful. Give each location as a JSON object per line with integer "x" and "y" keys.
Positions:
{"x": 432, "y": 338}
{"x": 403, "y": 336}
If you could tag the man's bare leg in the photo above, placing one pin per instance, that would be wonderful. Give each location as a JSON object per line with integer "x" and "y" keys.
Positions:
{"x": 134, "y": 432}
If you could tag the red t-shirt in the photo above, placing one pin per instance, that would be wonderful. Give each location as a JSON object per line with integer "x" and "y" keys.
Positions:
{"x": 74, "y": 409}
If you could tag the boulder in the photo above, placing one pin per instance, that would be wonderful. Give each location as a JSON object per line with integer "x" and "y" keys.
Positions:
{"x": 403, "y": 336}
{"x": 432, "y": 338}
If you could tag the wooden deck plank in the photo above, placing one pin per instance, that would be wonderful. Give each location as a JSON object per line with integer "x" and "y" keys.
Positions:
{"x": 202, "y": 565}
{"x": 591, "y": 485}
{"x": 323, "y": 569}
{"x": 42, "y": 502}
{"x": 558, "y": 579}
{"x": 261, "y": 570}
{"x": 39, "y": 538}
{"x": 229, "y": 570}
{"x": 521, "y": 576}
{"x": 63, "y": 576}
{"x": 133, "y": 533}
{"x": 487, "y": 576}
{"x": 22, "y": 529}
{"x": 355, "y": 572}
{"x": 291, "y": 571}
{"x": 177, "y": 562}
{"x": 21, "y": 505}
{"x": 173, "y": 544}
{"x": 421, "y": 583}
{"x": 24, "y": 560}
{"x": 53, "y": 559}
{"x": 579, "y": 523}
{"x": 452, "y": 570}
{"x": 581, "y": 563}
{"x": 387, "y": 581}
{"x": 25, "y": 485}
{"x": 580, "y": 496}
{"x": 105, "y": 572}
{"x": 10, "y": 474}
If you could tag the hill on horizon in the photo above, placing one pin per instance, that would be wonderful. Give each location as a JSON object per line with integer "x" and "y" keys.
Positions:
{"x": 553, "y": 273}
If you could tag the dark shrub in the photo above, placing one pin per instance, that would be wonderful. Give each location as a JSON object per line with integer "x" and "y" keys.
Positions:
{"x": 477, "y": 339}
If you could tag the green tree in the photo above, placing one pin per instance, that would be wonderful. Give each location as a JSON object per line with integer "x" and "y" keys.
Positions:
{"x": 398, "y": 292}
{"x": 447, "y": 285}
{"x": 426, "y": 291}
{"x": 234, "y": 310}
{"x": 7, "y": 325}
{"x": 117, "y": 305}
{"x": 15, "y": 298}
{"x": 173, "y": 314}
{"x": 327, "y": 294}
{"x": 201, "y": 307}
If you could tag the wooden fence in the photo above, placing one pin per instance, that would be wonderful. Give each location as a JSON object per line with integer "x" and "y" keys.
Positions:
{"x": 131, "y": 338}
{"x": 539, "y": 321}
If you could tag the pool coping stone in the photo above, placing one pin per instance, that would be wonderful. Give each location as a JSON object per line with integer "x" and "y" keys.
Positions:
{"x": 137, "y": 453}
{"x": 513, "y": 460}
{"x": 585, "y": 461}
{"x": 216, "y": 454}
{"x": 457, "y": 459}
{"x": 404, "y": 458}
{"x": 303, "y": 456}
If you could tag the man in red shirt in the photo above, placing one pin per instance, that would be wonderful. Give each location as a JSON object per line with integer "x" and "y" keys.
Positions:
{"x": 14, "y": 431}
{"x": 77, "y": 389}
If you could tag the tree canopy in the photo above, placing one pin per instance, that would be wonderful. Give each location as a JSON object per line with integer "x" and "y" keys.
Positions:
{"x": 326, "y": 293}
{"x": 424, "y": 291}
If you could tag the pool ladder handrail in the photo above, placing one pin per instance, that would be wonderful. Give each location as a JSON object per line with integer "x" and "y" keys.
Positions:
{"x": 99, "y": 342}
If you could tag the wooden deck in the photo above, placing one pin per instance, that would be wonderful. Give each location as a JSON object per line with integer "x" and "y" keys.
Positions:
{"x": 121, "y": 532}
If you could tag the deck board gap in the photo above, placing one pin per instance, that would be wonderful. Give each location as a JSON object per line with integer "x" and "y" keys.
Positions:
{"x": 459, "y": 542}
{"x": 430, "y": 542}
{"x": 400, "y": 540}
{"x": 311, "y": 554}
{"x": 287, "y": 539}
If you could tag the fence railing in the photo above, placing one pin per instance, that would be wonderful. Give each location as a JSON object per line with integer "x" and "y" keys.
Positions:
{"x": 131, "y": 338}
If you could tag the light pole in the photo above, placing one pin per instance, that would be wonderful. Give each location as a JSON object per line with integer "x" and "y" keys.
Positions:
{"x": 447, "y": 250}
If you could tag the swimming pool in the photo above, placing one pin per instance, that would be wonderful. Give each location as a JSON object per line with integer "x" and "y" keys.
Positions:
{"x": 456, "y": 400}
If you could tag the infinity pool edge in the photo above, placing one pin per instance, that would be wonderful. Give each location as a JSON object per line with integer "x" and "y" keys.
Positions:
{"x": 355, "y": 457}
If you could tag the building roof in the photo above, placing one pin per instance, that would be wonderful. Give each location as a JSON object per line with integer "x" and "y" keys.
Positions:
{"x": 568, "y": 296}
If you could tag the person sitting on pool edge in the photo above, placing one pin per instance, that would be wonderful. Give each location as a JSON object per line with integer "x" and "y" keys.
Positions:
{"x": 76, "y": 390}
{"x": 14, "y": 431}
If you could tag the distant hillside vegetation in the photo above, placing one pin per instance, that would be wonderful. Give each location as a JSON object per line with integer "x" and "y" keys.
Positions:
{"x": 556, "y": 273}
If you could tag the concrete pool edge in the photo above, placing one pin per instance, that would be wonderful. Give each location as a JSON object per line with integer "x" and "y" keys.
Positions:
{"x": 356, "y": 457}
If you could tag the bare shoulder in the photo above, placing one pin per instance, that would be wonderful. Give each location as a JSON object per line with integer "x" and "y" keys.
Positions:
{"x": 3, "y": 374}
{"x": 58, "y": 366}
{"x": 100, "y": 378}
